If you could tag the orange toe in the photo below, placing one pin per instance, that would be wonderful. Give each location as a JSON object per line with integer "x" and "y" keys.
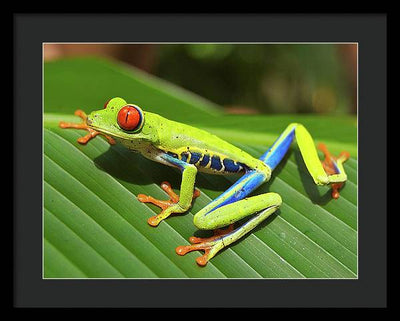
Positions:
{"x": 202, "y": 260}
{"x": 92, "y": 133}
{"x": 330, "y": 168}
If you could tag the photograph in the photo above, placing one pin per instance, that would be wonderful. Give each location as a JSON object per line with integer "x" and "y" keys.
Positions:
{"x": 200, "y": 160}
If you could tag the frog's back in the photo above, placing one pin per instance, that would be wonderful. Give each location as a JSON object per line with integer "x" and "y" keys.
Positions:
{"x": 206, "y": 151}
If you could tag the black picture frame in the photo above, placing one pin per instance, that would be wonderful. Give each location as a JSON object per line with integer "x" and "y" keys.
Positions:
{"x": 32, "y": 30}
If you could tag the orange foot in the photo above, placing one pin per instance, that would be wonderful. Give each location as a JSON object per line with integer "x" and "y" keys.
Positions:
{"x": 174, "y": 198}
{"x": 92, "y": 133}
{"x": 330, "y": 167}
{"x": 208, "y": 244}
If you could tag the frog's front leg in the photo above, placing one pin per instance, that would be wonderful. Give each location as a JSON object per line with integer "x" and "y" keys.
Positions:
{"x": 92, "y": 133}
{"x": 176, "y": 204}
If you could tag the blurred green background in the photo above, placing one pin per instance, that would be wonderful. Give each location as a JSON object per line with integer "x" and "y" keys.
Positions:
{"x": 244, "y": 78}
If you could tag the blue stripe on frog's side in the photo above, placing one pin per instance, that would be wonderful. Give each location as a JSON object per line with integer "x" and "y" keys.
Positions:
{"x": 214, "y": 162}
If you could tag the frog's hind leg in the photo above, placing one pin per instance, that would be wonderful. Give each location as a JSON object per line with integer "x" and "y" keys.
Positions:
{"x": 217, "y": 234}
{"x": 333, "y": 166}
{"x": 226, "y": 209}
{"x": 330, "y": 171}
{"x": 263, "y": 205}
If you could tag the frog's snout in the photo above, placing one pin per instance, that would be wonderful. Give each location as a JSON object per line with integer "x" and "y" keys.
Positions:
{"x": 88, "y": 121}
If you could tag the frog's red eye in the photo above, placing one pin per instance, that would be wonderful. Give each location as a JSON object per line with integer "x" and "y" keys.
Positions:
{"x": 130, "y": 118}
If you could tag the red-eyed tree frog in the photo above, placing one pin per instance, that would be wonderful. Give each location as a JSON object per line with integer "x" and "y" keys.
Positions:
{"x": 191, "y": 150}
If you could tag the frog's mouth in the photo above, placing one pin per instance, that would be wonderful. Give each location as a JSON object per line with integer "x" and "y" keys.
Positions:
{"x": 115, "y": 132}
{"x": 105, "y": 132}
{"x": 89, "y": 124}
{"x": 88, "y": 121}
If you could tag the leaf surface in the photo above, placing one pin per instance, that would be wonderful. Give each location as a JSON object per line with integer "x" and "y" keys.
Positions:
{"x": 95, "y": 227}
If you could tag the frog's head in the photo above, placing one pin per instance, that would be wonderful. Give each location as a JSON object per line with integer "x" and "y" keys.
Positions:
{"x": 122, "y": 121}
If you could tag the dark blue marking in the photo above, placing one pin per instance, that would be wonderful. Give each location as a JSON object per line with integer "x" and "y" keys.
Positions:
{"x": 194, "y": 158}
{"x": 230, "y": 166}
{"x": 204, "y": 162}
{"x": 216, "y": 163}
{"x": 273, "y": 158}
{"x": 184, "y": 156}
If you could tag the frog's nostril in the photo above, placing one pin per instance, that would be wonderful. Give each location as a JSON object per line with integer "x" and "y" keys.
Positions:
{"x": 88, "y": 121}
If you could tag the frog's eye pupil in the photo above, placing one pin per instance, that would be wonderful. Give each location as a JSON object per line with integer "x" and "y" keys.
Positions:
{"x": 129, "y": 118}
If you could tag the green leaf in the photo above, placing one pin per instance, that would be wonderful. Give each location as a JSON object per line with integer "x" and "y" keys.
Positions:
{"x": 95, "y": 227}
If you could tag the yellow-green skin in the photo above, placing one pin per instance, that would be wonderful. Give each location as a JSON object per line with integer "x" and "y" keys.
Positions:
{"x": 165, "y": 141}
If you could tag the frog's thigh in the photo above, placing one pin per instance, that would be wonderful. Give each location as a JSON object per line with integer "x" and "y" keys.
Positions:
{"x": 233, "y": 212}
